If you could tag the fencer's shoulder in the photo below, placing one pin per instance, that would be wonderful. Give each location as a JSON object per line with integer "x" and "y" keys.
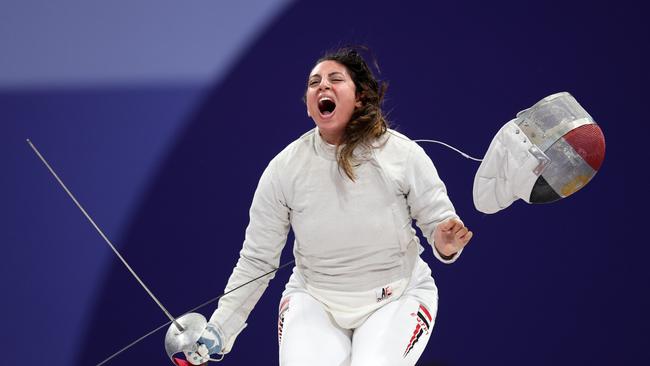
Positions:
{"x": 306, "y": 140}
{"x": 296, "y": 150}
{"x": 397, "y": 144}
{"x": 404, "y": 153}
{"x": 399, "y": 138}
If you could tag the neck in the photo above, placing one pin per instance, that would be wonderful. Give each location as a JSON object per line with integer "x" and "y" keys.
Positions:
{"x": 331, "y": 138}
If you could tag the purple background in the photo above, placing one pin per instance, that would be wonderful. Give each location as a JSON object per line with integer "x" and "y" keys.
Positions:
{"x": 161, "y": 116}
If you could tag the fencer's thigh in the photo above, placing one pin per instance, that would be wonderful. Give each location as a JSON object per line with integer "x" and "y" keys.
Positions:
{"x": 394, "y": 335}
{"x": 308, "y": 336}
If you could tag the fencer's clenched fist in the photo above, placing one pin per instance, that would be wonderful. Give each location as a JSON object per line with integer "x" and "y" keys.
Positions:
{"x": 451, "y": 236}
{"x": 210, "y": 343}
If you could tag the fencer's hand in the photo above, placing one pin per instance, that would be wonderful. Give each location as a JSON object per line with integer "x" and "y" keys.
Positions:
{"x": 210, "y": 343}
{"x": 451, "y": 236}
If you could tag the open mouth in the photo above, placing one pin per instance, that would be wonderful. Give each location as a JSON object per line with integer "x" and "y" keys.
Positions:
{"x": 326, "y": 106}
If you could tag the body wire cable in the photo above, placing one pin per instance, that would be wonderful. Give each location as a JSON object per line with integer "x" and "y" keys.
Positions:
{"x": 451, "y": 147}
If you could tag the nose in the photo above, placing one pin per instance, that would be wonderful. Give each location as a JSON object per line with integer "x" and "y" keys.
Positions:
{"x": 324, "y": 85}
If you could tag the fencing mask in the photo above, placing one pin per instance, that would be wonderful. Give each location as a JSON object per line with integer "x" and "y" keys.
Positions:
{"x": 548, "y": 152}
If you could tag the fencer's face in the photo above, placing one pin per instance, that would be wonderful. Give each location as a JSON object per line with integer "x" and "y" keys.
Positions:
{"x": 331, "y": 99}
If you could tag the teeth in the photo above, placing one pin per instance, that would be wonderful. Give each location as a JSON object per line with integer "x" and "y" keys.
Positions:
{"x": 321, "y": 100}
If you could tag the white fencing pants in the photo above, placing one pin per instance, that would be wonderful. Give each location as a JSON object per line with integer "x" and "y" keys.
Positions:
{"x": 395, "y": 334}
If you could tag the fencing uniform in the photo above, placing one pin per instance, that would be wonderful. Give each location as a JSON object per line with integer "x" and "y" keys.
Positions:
{"x": 359, "y": 289}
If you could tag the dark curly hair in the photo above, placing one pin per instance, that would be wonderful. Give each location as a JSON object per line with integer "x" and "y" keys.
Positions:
{"x": 368, "y": 121}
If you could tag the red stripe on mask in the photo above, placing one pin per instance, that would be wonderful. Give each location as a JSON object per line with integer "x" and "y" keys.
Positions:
{"x": 588, "y": 141}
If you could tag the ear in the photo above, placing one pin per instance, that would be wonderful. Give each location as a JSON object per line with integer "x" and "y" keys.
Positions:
{"x": 358, "y": 103}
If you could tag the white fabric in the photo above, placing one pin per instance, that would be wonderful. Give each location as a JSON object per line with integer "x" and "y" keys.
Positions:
{"x": 350, "y": 236}
{"x": 348, "y": 309}
{"x": 394, "y": 333}
{"x": 508, "y": 171}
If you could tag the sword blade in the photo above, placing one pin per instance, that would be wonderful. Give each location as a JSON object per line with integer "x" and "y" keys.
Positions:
{"x": 101, "y": 233}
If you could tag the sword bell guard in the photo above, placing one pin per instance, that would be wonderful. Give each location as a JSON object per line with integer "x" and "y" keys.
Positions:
{"x": 177, "y": 341}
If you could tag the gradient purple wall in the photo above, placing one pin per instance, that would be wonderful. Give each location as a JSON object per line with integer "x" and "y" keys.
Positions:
{"x": 167, "y": 165}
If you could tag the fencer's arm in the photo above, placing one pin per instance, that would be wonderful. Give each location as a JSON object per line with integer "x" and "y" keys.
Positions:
{"x": 265, "y": 237}
{"x": 429, "y": 203}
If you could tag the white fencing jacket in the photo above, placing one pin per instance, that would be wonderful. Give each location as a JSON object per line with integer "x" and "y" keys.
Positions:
{"x": 349, "y": 235}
